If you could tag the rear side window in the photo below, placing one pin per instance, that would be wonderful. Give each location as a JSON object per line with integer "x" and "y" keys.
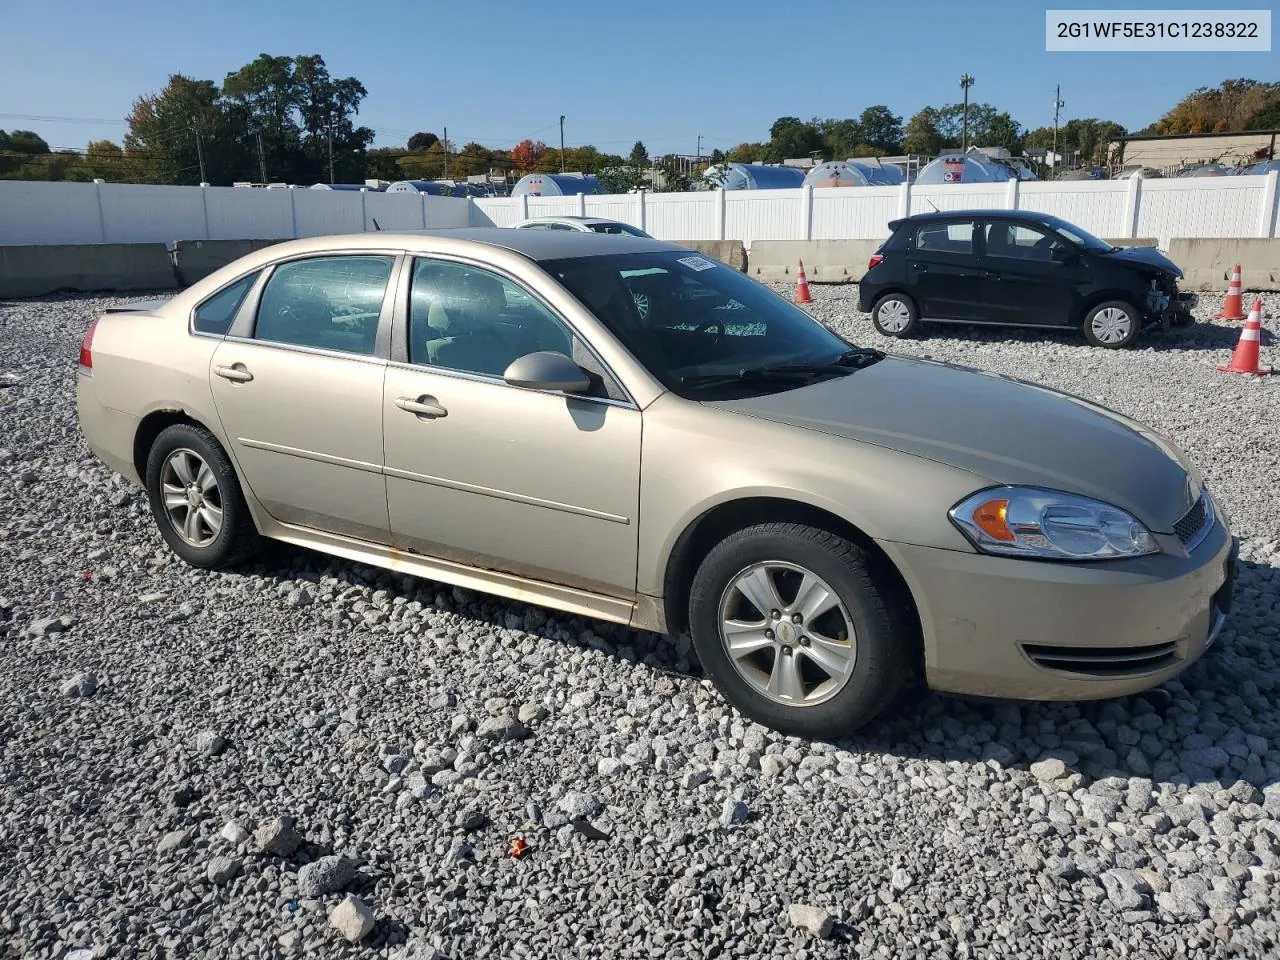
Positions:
{"x": 330, "y": 303}
{"x": 945, "y": 237}
{"x": 216, "y": 314}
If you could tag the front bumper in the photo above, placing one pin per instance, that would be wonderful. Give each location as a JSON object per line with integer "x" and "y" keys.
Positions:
{"x": 1028, "y": 630}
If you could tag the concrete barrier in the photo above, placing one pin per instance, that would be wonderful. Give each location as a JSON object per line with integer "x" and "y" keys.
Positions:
{"x": 733, "y": 253}
{"x": 195, "y": 259}
{"x": 825, "y": 261}
{"x": 1132, "y": 241}
{"x": 1208, "y": 262}
{"x": 33, "y": 271}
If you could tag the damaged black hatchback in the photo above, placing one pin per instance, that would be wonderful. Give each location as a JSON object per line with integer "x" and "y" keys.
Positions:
{"x": 1018, "y": 268}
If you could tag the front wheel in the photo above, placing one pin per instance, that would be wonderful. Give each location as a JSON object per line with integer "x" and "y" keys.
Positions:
{"x": 895, "y": 315}
{"x": 196, "y": 499}
{"x": 1113, "y": 325}
{"x": 793, "y": 627}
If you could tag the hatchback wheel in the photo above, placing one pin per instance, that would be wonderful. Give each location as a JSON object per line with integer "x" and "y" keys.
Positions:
{"x": 1114, "y": 325}
{"x": 791, "y": 624}
{"x": 894, "y": 315}
{"x": 196, "y": 499}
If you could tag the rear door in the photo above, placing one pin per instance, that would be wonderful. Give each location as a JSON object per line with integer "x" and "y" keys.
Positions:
{"x": 1024, "y": 279}
{"x": 298, "y": 388}
{"x": 943, "y": 270}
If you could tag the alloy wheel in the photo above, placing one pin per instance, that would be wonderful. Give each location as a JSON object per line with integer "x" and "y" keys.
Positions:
{"x": 787, "y": 633}
{"x": 192, "y": 498}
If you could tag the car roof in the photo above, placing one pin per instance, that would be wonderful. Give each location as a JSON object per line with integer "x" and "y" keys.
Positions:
{"x": 572, "y": 218}
{"x": 533, "y": 244}
{"x": 1027, "y": 216}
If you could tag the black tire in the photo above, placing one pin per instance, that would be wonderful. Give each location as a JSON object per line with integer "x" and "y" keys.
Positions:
{"x": 237, "y": 539}
{"x": 1095, "y": 332}
{"x": 884, "y": 640}
{"x": 912, "y": 326}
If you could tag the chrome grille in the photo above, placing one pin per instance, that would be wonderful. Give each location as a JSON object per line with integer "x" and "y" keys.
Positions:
{"x": 1195, "y": 523}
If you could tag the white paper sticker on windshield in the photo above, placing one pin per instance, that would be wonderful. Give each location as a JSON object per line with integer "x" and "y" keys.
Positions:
{"x": 697, "y": 263}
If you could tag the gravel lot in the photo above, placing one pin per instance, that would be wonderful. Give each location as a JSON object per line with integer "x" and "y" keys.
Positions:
{"x": 156, "y": 722}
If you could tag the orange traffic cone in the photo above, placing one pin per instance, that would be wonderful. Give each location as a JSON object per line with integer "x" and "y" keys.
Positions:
{"x": 802, "y": 286}
{"x": 1245, "y": 358}
{"x": 1233, "y": 306}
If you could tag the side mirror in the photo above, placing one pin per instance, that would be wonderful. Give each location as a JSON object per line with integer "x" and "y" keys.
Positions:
{"x": 547, "y": 370}
{"x": 1060, "y": 253}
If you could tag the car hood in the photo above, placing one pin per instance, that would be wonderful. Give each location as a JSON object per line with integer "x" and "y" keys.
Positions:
{"x": 996, "y": 427}
{"x": 1147, "y": 256}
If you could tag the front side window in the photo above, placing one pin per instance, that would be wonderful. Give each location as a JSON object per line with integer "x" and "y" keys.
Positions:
{"x": 1081, "y": 238}
{"x": 1013, "y": 241}
{"x": 216, "y": 314}
{"x": 704, "y": 330}
{"x": 624, "y": 229}
{"x": 329, "y": 303}
{"x": 954, "y": 237}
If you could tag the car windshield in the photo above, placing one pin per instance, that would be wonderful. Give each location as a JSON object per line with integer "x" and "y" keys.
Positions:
{"x": 705, "y": 330}
{"x": 1081, "y": 238}
{"x": 617, "y": 228}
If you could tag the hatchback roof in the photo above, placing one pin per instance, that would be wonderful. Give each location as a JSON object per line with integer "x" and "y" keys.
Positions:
{"x": 1029, "y": 216}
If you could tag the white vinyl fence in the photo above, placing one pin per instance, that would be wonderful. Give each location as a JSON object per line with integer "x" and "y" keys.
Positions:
{"x": 1114, "y": 209}
{"x": 49, "y": 213}
{"x": 52, "y": 213}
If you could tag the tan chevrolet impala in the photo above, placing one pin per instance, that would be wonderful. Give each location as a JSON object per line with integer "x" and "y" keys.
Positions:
{"x": 624, "y": 429}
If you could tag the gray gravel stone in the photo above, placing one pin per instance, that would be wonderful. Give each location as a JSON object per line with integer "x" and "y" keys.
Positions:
{"x": 234, "y": 833}
{"x": 1050, "y": 768}
{"x": 81, "y": 685}
{"x": 733, "y": 813}
{"x": 577, "y": 804}
{"x": 277, "y": 836}
{"x": 502, "y": 728}
{"x": 174, "y": 840}
{"x": 210, "y": 743}
{"x": 222, "y": 870}
{"x": 326, "y": 875}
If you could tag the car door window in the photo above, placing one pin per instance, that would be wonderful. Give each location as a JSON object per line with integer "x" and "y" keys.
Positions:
{"x": 1014, "y": 241}
{"x": 471, "y": 320}
{"x": 330, "y": 303}
{"x": 215, "y": 315}
{"x": 949, "y": 237}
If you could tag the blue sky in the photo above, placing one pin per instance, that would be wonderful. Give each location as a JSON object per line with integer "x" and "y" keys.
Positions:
{"x": 663, "y": 71}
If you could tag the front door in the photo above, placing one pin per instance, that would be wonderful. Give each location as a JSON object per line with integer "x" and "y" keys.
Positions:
{"x": 1025, "y": 279}
{"x": 301, "y": 398}
{"x": 943, "y": 271}
{"x": 529, "y": 482}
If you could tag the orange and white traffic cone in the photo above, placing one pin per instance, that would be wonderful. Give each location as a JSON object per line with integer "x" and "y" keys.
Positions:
{"x": 1233, "y": 306}
{"x": 1245, "y": 358}
{"x": 802, "y": 286}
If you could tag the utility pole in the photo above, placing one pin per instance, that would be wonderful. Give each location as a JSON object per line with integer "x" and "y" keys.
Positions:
{"x": 966, "y": 82}
{"x": 200, "y": 153}
{"x": 562, "y": 143}
{"x": 262, "y": 157}
{"x": 699, "y": 157}
{"x": 1058, "y": 104}
{"x": 329, "y": 130}
{"x": 446, "y": 154}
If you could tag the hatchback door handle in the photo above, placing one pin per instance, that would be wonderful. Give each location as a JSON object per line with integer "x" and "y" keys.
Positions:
{"x": 422, "y": 407}
{"x": 236, "y": 372}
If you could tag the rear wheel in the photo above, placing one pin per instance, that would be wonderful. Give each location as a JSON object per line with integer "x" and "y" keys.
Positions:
{"x": 894, "y": 315}
{"x": 196, "y": 499}
{"x": 1113, "y": 325}
{"x": 793, "y": 627}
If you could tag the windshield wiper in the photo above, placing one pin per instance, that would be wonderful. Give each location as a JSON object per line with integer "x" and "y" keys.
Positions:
{"x": 838, "y": 366}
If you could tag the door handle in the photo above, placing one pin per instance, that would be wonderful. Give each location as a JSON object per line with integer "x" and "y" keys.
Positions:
{"x": 992, "y": 275}
{"x": 236, "y": 372}
{"x": 425, "y": 407}
{"x": 921, "y": 267}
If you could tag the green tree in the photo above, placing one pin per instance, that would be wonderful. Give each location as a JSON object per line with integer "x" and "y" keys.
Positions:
{"x": 163, "y": 131}
{"x": 881, "y": 128}
{"x": 790, "y": 138}
{"x": 327, "y": 107}
{"x": 839, "y": 137}
{"x": 922, "y": 135}
{"x": 427, "y": 165}
{"x": 421, "y": 141}
{"x": 1228, "y": 107}
{"x": 381, "y": 163}
{"x": 630, "y": 174}
{"x": 262, "y": 100}
{"x": 747, "y": 153}
{"x": 673, "y": 176}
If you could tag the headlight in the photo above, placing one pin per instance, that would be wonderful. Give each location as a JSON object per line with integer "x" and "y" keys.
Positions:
{"x": 1049, "y": 525}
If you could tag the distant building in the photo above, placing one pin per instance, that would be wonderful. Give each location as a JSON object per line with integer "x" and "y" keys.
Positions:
{"x": 1177, "y": 152}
